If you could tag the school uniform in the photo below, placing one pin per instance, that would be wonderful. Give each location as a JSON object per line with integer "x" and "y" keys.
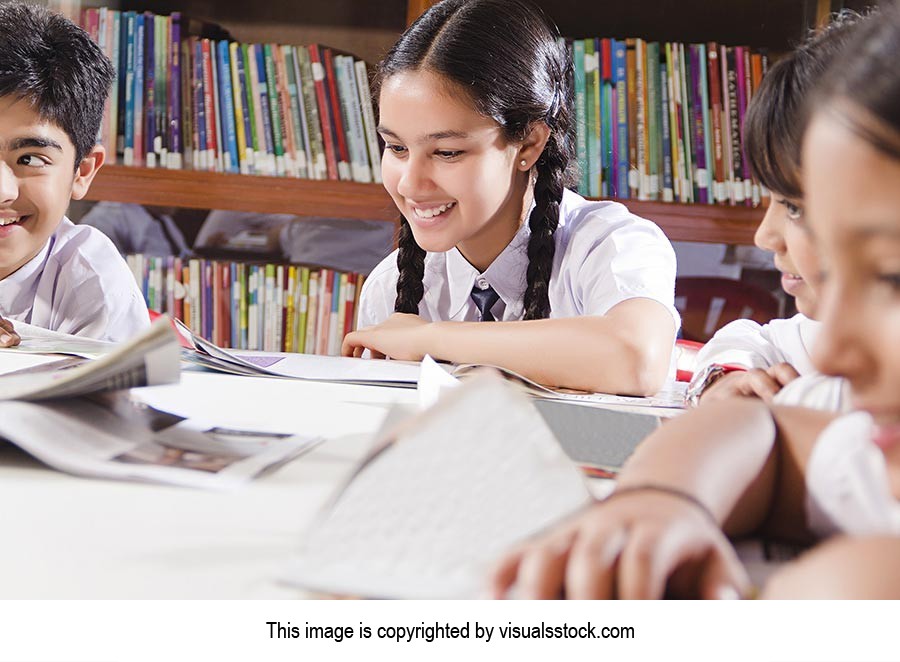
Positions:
{"x": 751, "y": 345}
{"x": 77, "y": 284}
{"x": 604, "y": 255}
{"x": 847, "y": 482}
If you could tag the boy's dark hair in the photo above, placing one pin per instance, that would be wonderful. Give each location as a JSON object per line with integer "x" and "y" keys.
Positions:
{"x": 507, "y": 56}
{"x": 51, "y": 63}
{"x": 773, "y": 128}
{"x": 862, "y": 90}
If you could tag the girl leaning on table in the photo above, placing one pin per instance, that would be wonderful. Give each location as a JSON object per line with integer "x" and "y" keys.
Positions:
{"x": 738, "y": 468}
{"x": 476, "y": 110}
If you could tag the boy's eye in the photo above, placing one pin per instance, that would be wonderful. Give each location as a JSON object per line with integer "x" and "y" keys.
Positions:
{"x": 32, "y": 160}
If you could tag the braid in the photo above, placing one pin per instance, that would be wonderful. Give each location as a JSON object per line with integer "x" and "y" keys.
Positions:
{"x": 411, "y": 264}
{"x": 544, "y": 219}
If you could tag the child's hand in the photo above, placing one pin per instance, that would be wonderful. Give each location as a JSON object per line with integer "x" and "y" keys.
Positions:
{"x": 399, "y": 337}
{"x": 756, "y": 383}
{"x": 643, "y": 544}
{"x": 8, "y": 335}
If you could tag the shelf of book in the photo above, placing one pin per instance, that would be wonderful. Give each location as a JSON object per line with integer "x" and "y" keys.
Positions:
{"x": 337, "y": 199}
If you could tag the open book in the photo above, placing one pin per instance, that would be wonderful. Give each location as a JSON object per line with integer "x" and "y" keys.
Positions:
{"x": 441, "y": 497}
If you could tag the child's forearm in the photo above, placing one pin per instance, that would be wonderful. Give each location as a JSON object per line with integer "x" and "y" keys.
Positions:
{"x": 743, "y": 461}
{"x": 611, "y": 354}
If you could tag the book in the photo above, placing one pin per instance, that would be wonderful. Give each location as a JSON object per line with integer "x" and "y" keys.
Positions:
{"x": 490, "y": 483}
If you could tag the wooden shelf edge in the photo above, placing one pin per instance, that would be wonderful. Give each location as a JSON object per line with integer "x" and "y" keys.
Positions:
{"x": 212, "y": 190}
{"x": 709, "y": 224}
{"x": 330, "y": 199}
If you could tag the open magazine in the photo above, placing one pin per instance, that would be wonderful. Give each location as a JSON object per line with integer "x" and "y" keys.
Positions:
{"x": 148, "y": 359}
{"x": 389, "y": 373}
{"x": 75, "y": 415}
{"x": 111, "y": 436}
{"x": 443, "y": 495}
{"x": 308, "y": 367}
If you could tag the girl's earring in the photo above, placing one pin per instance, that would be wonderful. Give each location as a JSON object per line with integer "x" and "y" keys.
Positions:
{"x": 523, "y": 163}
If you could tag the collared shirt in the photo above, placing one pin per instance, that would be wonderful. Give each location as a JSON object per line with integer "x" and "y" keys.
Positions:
{"x": 77, "y": 284}
{"x": 604, "y": 255}
{"x": 847, "y": 482}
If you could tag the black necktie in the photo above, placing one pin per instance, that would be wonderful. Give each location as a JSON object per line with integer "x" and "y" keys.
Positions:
{"x": 484, "y": 301}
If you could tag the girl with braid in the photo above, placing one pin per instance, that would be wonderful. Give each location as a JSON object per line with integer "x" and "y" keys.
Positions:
{"x": 476, "y": 110}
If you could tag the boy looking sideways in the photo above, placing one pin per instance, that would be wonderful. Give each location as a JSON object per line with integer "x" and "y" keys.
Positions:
{"x": 53, "y": 85}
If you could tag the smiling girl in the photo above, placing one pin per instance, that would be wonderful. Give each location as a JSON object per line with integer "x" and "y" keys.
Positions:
{"x": 735, "y": 466}
{"x": 476, "y": 110}
{"x": 776, "y": 354}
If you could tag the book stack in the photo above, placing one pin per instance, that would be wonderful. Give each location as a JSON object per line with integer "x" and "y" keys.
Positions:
{"x": 266, "y": 307}
{"x": 187, "y": 96}
{"x": 663, "y": 121}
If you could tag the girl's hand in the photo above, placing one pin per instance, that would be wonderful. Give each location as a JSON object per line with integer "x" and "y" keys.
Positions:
{"x": 400, "y": 337}
{"x": 756, "y": 383}
{"x": 8, "y": 335}
{"x": 643, "y": 544}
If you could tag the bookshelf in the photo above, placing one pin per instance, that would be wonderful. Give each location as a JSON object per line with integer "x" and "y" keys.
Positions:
{"x": 302, "y": 197}
{"x": 775, "y": 24}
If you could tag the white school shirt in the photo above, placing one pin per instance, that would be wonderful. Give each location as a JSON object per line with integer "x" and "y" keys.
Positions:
{"x": 751, "y": 345}
{"x": 847, "y": 488}
{"x": 604, "y": 255}
{"x": 77, "y": 284}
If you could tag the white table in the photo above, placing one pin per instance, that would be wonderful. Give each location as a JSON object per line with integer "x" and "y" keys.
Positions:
{"x": 70, "y": 537}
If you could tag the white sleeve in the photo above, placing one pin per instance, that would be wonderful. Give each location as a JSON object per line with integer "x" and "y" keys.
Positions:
{"x": 847, "y": 483}
{"x": 634, "y": 260}
{"x": 379, "y": 292}
{"x": 742, "y": 342}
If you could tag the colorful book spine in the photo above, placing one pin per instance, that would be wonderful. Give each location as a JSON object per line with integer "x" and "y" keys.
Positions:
{"x": 581, "y": 148}
{"x": 623, "y": 165}
{"x": 338, "y": 127}
{"x": 276, "y": 119}
{"x": 174, "y": 96}
{"x": 302, "y": 153}
{"x": 241, "y": 116}
{"x": 226, "y": 95}
{"x": 668, "y": 189}
{"x": 324, "y": 109}
{"x": 264, "y": 112}
{"x": 701, "y": 174}
{"x": 360, "y": 169}
{"x": 654, "y": 115}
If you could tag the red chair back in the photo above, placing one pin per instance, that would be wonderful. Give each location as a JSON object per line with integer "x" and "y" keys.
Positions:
{"x": 708, "y": 304}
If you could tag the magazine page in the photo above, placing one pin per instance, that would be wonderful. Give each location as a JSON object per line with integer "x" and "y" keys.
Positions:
{"x": 441, "y": 498}
{"x": 150, "y": 358}
{"x": 111, "y": 436}
{"x": 37, "y": 340}
{"x": 671, "y": 396}
{"x": 311, "y": 367}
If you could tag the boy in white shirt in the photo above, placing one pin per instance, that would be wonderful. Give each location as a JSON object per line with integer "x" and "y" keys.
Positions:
{"x": 53, "y": 84}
